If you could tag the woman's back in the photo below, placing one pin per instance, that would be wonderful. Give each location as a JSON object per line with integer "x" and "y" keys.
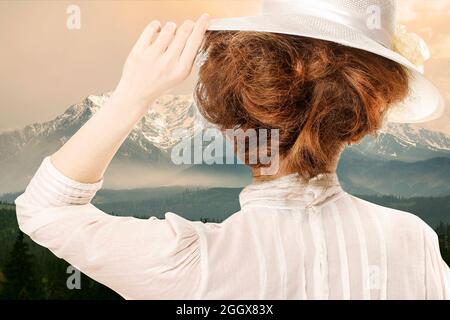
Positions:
{"x": 342, "y": 248}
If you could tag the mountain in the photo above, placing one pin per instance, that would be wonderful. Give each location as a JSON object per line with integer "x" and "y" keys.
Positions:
{"x": 366, "y": 176}
{"x": 21, "y": 151}
{"x": 404, "y": 142}
{"x": 402, "y": 160}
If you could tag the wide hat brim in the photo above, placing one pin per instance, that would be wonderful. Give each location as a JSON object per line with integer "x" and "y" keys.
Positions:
{"x": 424, "y": 101}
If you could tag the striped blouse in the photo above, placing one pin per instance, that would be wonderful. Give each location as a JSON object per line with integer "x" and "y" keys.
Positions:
{"x": 291, "y": 240}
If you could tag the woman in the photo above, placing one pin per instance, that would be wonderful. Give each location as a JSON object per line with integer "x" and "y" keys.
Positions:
{"x": 298, "y": 234}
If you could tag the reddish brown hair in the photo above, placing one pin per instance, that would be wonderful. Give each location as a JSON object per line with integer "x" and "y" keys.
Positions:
{"x": 320, "y": 95}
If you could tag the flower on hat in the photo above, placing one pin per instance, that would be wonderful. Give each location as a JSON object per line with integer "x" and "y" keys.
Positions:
{"x": 411, "y": 46}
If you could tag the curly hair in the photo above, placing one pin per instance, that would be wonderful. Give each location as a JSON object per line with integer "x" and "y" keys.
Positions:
{"x": 320, "y": 95}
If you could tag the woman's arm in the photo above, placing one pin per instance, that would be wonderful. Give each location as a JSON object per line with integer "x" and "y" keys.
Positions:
{"x": 138, "y": 258}
{"x": 160, "y": 59}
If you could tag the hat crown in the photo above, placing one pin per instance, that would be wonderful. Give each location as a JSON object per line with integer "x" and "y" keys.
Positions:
{"x": 374, "y": 18}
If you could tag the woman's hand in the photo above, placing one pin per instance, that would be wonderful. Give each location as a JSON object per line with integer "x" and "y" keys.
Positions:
{"x": 160, "y": 59}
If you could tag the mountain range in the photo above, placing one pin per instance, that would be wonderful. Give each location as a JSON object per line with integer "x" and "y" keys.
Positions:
{"x": 402, "y": 160}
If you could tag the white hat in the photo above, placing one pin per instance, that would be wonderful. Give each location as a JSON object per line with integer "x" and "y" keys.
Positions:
{"x": 369, "y": 25}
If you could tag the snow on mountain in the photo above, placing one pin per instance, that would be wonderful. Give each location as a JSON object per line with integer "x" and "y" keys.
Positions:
{"x": 153, "y": 132}
{"x": 165, "y": 116}
{"x": 419, "y": 136}
{"x": 404, "y": 142}
{"x": 171, "y": 112}
{"x": 21, "y": 151}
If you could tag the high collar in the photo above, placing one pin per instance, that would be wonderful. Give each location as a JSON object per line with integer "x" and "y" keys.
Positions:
{"x": 291, "y": 191}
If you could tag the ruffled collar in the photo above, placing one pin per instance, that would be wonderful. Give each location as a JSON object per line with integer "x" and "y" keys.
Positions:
{"x": 291, "y": 191}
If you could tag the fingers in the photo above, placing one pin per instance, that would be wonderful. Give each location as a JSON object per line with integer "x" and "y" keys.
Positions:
{"x": 181, "y": 36}
{"x": 186, "y": 39}
{"x": 148, "y": 36}
{"x": 195, "y": 40}
{"x": 165, "y": 37}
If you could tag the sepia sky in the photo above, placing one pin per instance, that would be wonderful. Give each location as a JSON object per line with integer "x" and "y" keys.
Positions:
{"x": 45, "y": 67}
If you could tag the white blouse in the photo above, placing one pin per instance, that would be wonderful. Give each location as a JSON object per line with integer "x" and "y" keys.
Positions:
{"x": 291, "y": 240}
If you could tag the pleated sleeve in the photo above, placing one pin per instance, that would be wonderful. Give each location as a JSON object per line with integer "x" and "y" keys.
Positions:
{"x": 137, "y": 258}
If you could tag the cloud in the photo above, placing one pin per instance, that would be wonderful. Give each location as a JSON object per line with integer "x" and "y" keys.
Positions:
{"x": 407, "y": 12}
{"x": 414, "y": 9}
{"x": 441, "y": 49}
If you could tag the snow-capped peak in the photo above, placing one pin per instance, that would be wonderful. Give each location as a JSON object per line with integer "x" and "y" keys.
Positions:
{"x": 170, "y": 112}
{"x": 414, "y": 135}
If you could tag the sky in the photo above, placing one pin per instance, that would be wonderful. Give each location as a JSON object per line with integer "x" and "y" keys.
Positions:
{"x": 45, "y": 66}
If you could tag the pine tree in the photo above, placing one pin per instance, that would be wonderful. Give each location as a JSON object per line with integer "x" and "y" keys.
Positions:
{"x": 21, "y": 282}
